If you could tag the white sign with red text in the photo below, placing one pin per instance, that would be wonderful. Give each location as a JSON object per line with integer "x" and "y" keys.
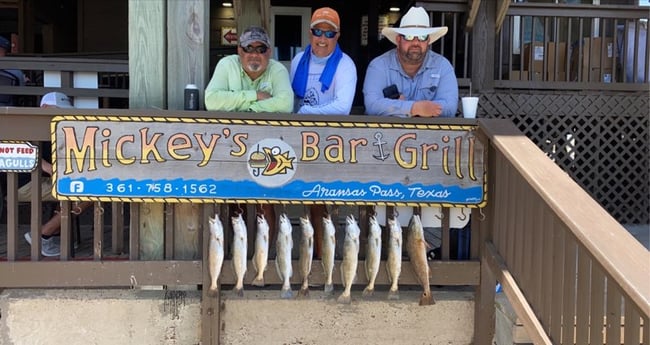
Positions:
{"x": 18, "y": 156}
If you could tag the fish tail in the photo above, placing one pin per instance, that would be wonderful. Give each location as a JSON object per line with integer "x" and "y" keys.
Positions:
{"x": 393, "y": 294}
{"x": 286, "y": 293}
{"x": 427, "y": 299}
{"x": 213, "y": 290}
{"x": 239, "y": 291}
{"x": 258, "y": 281}
{"x": 329, "y": 288}
{"x": 367, "y": 292}
{"x": 303, "y": 292}
{"x": 344, "y": 299}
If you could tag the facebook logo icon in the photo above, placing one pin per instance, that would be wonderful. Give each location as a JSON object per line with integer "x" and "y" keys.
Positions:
{"x": 76, "y": 187}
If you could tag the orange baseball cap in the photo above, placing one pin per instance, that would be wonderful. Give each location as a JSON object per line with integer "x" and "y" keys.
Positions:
{"x": 326, "y": 15}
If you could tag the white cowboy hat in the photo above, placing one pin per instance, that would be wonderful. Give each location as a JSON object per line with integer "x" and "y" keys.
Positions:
{"x": 415, "y": 22}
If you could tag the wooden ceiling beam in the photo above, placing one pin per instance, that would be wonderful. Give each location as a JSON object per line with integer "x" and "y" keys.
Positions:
{"x": 502, "y": 9}
{"x": 473, "y": 6}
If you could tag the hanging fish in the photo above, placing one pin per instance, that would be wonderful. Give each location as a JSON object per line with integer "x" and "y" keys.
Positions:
{"x": 215, "y": 252}
{"x": 394, "y": 260}
{"x": 239, "y": 243}
{"x": 350, "y": 258}
{"x": 261, "y": 255}
{"x": 284, "y": 245}
{"x": 306, "y": 254}
{"x": 329, "y": 245}
{"x": 417, "y": 251}
{"x": 373, "y": 255}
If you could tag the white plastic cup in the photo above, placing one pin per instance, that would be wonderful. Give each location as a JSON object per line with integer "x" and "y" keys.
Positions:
{"x": 470, "y": 104}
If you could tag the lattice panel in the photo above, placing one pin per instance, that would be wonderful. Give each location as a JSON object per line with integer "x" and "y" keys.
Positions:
{"x": 601, "y": 141}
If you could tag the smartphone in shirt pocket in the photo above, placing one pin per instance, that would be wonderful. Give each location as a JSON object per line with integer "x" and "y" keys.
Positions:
{"x": 391, "y": 92}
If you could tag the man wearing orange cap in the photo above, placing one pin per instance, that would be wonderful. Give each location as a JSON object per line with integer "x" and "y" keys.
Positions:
{"x": 324, "y": 79}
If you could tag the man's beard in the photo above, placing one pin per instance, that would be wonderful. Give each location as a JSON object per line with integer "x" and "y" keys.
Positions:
{"x": 254, "y": 66}
{"x": 414, "y": 56}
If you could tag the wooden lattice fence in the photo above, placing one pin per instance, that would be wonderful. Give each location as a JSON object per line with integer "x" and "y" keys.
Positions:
{"x": 600, "y": 140}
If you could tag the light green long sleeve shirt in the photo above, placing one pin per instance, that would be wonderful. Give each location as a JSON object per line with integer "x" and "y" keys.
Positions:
{"x": 231, "y": 89}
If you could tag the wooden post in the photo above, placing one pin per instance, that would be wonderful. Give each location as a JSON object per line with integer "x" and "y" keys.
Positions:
{"x": 147, "y": 67}
{"x": 252, "y": 12}
{"x": 483, "y": 48}
{"x": 188, "y": 63}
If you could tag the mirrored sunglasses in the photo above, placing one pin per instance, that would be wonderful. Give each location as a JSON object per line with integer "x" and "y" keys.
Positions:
{"x": 319, "y": 33}
{"x": 258, "y": 49}
{"x": 420, "y": 38}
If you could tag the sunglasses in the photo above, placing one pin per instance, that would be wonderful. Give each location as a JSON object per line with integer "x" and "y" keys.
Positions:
{"x": 258, "y": 49}
{"x": 420, "y": 38}
{"x": 319, "y": 33}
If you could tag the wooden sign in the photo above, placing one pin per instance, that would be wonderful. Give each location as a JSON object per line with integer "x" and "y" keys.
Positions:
{"x": 234, "y": 160}
{"x": 18, "y": 156}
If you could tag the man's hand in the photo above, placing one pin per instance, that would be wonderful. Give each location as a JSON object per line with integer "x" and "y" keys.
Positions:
{"x": 426, "y": 109}
{"x": 261, "y": 95}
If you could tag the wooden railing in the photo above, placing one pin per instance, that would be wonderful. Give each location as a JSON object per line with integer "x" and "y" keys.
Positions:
{"x": 558, "y": 255}
{"x": 572, "y": 273}
{"x": 102, "y": 83}
{"x": 547, "y": 46}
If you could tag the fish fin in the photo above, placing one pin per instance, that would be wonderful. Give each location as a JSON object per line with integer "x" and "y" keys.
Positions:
{"x": 427, "y": 299}
{"x": 393, "y": 295}
{"x": 286, "y": 293}
{"x": 255, "y": 262}
{"x": 367, "y": 292}
{"x": 238, "y": 292}
{"x": 329, "y": 288}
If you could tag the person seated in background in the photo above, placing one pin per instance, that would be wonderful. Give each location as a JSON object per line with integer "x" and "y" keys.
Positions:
{"x": 251, "y": 81}
{"x": 51, "y": 245}
{"x": 9, "y": 77}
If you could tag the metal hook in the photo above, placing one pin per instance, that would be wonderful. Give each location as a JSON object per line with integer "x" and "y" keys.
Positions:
{"x": 260, "y": 211}
{"x": 395, "y": 213}
{"x": 239, "y": 210}
{"x": 98, "y": 205}
{"x": 482, "y": 218}
{"x": 442, "y": 215}
{"x": 374, "y": 211}
{"x": 462, "y": 211}
{"x": 76, "y": 210}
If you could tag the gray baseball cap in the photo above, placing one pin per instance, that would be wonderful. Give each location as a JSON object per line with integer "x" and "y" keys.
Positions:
{"x": 254, "y": 34}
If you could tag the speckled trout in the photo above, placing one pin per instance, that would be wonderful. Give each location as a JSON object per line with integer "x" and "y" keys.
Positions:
{"x": 329, "y": 246}
{"x": 306, "y": 254}
{"x": 373, "y": 255}
{"x": 350, "y": 258}
{"x": 394, "y": 260}
{"x": 284, "y": 244}
{"x": 417, "y": 251}
{"x": 239, "y": 243}
{"x": 215, "y": 252}
{"x": 261, "y": 255}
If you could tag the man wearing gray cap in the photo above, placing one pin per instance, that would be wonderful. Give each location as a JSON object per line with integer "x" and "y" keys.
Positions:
{"x": 250, "y": 80}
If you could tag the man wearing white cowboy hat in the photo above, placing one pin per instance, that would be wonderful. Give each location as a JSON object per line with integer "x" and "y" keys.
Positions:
{"x": 411, "y": 80}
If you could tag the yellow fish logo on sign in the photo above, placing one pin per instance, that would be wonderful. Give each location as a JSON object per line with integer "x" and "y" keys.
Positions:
{"x": 278, "y": 163}
{"x": 271, "y": 164}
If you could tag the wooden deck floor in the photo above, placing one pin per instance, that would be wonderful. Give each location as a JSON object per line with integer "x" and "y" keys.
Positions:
{"x": 84, "y": 251}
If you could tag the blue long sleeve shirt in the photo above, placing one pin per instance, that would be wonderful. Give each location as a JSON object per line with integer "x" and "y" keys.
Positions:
{"x": 435, "y": 81}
